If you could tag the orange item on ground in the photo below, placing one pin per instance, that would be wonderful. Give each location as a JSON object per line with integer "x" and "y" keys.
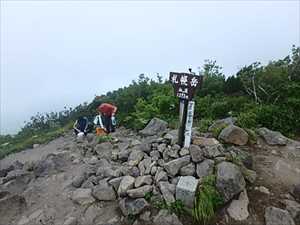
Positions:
{"x": 100, "y": 131}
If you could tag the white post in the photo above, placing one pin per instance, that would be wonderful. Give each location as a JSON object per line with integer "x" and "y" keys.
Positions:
{"x": 189, "y": 124}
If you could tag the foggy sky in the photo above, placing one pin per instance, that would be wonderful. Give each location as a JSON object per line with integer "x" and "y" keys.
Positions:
{"x": 56, "y": 54}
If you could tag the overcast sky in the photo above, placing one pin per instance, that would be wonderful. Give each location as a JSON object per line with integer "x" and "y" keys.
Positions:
{"x": 56, "y": 54}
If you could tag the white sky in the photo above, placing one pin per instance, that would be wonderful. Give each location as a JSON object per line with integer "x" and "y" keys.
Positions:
{"x": 56, "y": 54}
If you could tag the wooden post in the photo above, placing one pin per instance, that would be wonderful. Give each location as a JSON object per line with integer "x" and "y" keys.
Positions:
{"x": 182, "y": 120}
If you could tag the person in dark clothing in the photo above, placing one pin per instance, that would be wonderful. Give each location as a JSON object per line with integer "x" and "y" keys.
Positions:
{"x": 81, "y": 125}
{"x": 108, "y": 112}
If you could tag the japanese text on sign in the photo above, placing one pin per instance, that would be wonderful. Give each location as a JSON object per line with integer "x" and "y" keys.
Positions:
{"x": 185, "y": 84}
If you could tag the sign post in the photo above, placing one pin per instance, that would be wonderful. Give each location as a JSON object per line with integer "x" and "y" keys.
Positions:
{"x": 185, "y": 85}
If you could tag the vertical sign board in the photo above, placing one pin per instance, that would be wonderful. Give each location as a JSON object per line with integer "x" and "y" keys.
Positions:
{"x": 189, "y": 124}
{"x": 185, "y": 86}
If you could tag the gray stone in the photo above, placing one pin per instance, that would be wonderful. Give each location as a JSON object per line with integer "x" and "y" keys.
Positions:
{"x": 71, "y": 221}
{"x": 205, "y": 142}
{"x": 234, "y": 135}
{"x": 249, "y": 175}
{"x": 238, "y": 209}
{"x": 104, "y": 192}
{"x": 162, "y": 147}
{"x": 134, "y": 171}
{"x": 172, "y": 137}
{"x": 90, "y": 182}
{"x": 294, "y": 209}
{"x": 155, "y": 154}
{"x": 115, "y": 182}
{"x": 123, "y": 155}
{"x": 78, "y": 180}
{"x": 154, "y": 127}
{"x": 140, "y": 191}
{"x": 126, "y": 184}
{"x": 214, "y": 151}
{"x": 166, "y": 192}
{"x": 263, "y": 189}
{"x": 50, "y": 165}
{"x": 173, "y": 152}
{"x": 135, "y": 157}
{"x": 133, "y": 206}
{"x": 205, "y": 168}
{"x": 184, "y": 152}
{"x": 272, "y": 137}
{"x": 166, "y": 218}
{"x": 153, "y": 170}
{"x": 276, "y": 216}
{"x": 18, "y": 174}
{"x": 218, "y": 124}
{"x": 161, "y": 176}
{"x": 145, "y": 216}
{"x": 174, "y": 166}
{"x": 142, "y": 180}
{"x": 197, "y": 153}
{"x": 146, "y": 147}
{"x": 188, "y": 170}
{"x": 186, "y": 189}
{"x": 230, "y": 180}
{"x": 83, "y": 196}
{"x": 135, "y": 142}
{"x": 296, "y": 192}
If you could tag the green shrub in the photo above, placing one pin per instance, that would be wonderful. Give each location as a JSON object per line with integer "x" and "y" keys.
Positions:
{"x": 204, "y": 124}
{"x": 207, "y": 200}
{"x": 247, "y": 120}
{"x": 217, "y": 130}
{"x": 104, "y": 138}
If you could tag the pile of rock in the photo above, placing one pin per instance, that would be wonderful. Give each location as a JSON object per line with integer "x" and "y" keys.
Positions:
{"x": 155, "y": 164}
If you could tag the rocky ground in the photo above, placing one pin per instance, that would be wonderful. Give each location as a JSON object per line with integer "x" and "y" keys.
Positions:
{"x": 83, "y": 182}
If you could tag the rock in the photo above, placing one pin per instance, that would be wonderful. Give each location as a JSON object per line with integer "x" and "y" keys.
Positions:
{"x": 123, "y": 155}
{"x": 263, "y": 189}
{"x": 135, "y": 157}
{"x": 230, "y": 180}
{"x": 166, "y": 192}
{"x": 155, "y": 155}
{"x": 11, "y": 206}
{"x": 272, "y": 137}
{"x": 90, "y": 137}
{"x": 145, "y": 216}
{"x": 133, "y": 206}
{"x": 184, "y": 152}
{"x": 142, "y": 180}
{"x": 234, "y": 135}
{"x": 161, "y": 176}
{"x": 204, "y": 142}
{"x": 83, "y": 196}
{"x": 249, "y": 175}
{"x": 135, "y": 142}
{"x": 197, "y": 153}
{"x": 296, "y": 192}
{"x": 154, "y": 127}
{"x": 173, "y": 152}
{"x": 50, "y": 165}
{"x": 103, "y": 147}
{"x": 162, "y": 147}
{"x": 35, "y": 146}
{"x": 146, "y": 147}
{"x": 214, "y": 151}
{"x": 286, "y": 169}
{"x": 4, "y": 171}
{"x": 126, "y": 184}
{"x": 139, "y": 192}
{"x": 294, "y": 209}
{"x": 186, "y": 189}
{"x": 205, "y": 168}
{"x": 174, "y": 166}
{"x": 134, "y": 171}
{"x": 172, "y": 137}
{"x": 78, "y": 180}
{"x": 115, "y": 182}
{"x": 238, "y": 209}
{"x": 219, "y": 124}
{"x": 93, "y": 160}
{"x": 71, "y": 221}
{"x": 188, "y": 170}
{"x": 104, "y": 192}
{"x": 165, "y": 218}
{"x": 276, "y": 216}
{"x": 18, "y": 174}
{"x": 245, "y": 157}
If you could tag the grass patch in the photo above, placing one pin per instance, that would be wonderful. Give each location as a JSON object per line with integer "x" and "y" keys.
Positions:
{"x": 104, "y": 138}
{"x": 207, "y": 200}
{"x": 217, "y": 130}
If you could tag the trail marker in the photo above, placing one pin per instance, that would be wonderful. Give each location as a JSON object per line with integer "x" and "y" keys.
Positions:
{"x": 185, "y": 86}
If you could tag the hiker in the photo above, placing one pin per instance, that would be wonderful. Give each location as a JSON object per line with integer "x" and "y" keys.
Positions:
{"x": 81, "y": 125}
{"x": 108, "y": 112}
{"x": 98, "y": 122}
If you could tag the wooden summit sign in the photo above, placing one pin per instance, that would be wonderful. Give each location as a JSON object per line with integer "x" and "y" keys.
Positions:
{"x": 185, "y": 84}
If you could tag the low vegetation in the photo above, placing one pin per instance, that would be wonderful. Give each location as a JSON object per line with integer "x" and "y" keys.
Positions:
{"x": 258, "y": 95}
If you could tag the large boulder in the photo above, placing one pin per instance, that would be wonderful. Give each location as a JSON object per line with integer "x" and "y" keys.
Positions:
{"x": 186, "y": 189}
{"x": 276, "y": 216}
{"x": 203, "y": 141}
{"x": 166, "y": 218}
{"x": 272, "y": 137}
{"x": 104, "y": 192}
{"x": 154, "y": 127}
{"x": 234, "y": 135}
{"x": 219, "y": 124}
{"x": 133, "y": 206}
{"x": 230, "y": 180}
{"x": 175, "y": 165}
